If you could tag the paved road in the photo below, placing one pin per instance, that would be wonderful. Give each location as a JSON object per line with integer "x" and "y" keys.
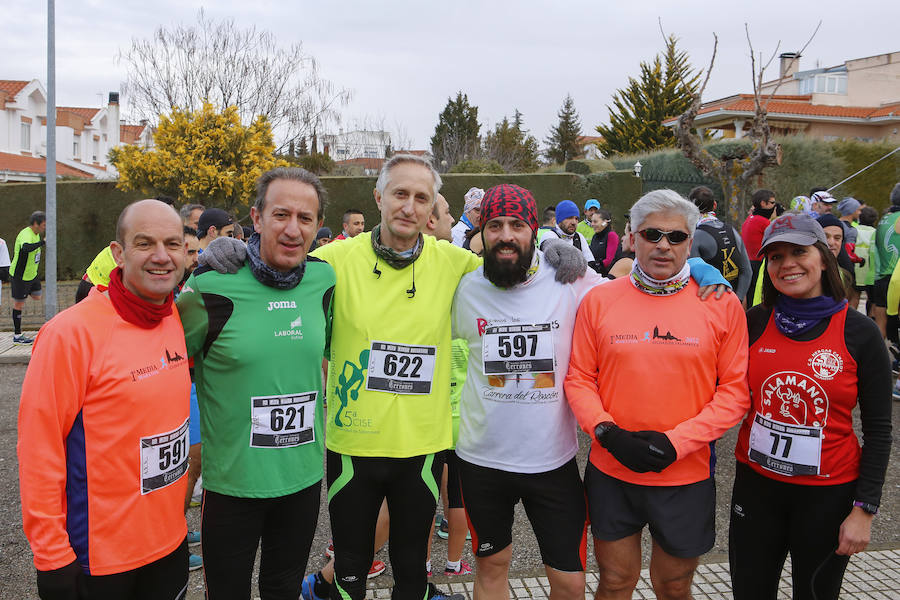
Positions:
{"x": 17, "y": 574}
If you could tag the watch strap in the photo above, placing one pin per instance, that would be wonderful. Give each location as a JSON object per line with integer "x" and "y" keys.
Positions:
{"x": 872, "y": 509}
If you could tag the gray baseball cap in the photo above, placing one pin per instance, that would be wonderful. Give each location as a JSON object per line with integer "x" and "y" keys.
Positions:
{"x": 794, "y": 228}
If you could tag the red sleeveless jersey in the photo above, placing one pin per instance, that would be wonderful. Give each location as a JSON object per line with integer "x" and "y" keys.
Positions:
{"x": 800, "y": 426}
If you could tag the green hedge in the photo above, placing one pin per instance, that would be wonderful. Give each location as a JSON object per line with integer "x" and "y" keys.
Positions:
{"x": 86, "y": 215}
{"x": 87, "y": 211}
{"x": 806, "y": 163}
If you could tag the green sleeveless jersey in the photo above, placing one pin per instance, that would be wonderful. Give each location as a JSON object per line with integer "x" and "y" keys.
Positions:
{"x": 887, "y": 244}
{"x": 258, "y": 354}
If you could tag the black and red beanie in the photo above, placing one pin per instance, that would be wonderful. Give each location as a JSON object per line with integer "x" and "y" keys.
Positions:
{"x": 509, "y": 200}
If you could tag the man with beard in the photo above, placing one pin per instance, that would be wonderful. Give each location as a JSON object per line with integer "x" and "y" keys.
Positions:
{"x": 566, "y": 229}
{"x": 389, "y": 378}
{"x": 517, "y": 435}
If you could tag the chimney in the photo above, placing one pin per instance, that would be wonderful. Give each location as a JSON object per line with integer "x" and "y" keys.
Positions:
{"x": 114, "y": 136}
{"x": 790, "y": 63}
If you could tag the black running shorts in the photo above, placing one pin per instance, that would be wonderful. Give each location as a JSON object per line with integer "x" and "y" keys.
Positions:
{"x": 553, "y": 500}
{"x": 880, "y": 291}
{"x": 682, "y": 518}
{"x": 19, "y": 290}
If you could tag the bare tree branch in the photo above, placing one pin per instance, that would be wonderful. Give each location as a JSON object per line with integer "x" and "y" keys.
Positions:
{"x": 791, "y": 63}
{"x": 229, "y": 66}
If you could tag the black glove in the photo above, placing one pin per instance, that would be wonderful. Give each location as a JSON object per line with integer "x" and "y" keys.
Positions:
{"x": 65, "y": 583}
{"x": 662, "y": 452}
{"x": 626, "y": 448}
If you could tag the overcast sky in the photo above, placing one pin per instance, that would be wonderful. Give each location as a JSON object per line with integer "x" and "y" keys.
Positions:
{"x": 402, "y": 60}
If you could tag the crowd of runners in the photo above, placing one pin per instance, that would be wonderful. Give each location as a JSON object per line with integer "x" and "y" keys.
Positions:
{"x": 423, "y": 360}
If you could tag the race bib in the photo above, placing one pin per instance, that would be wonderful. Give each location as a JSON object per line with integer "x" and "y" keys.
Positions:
{"x": 400, "y": 369}
{"x": 37, "y": 257}
{"x": 163, "y": 458}
{"x": 282, "y": 421}
{"x": 511, "y": 349}
{"x": 785, "y": 449}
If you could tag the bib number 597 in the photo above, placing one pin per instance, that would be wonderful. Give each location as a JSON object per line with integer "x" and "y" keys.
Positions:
{"x": 517, "y": 345}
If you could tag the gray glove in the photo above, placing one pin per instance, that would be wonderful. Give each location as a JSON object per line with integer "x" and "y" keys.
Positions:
{"x": 568, "y": 260}
{"x": 225, "y": 255}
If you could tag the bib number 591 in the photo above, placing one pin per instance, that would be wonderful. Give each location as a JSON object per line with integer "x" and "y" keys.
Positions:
{"x": 172, "y": 455}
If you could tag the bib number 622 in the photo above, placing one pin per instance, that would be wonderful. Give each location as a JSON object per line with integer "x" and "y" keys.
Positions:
{"x": 402, "y": 365}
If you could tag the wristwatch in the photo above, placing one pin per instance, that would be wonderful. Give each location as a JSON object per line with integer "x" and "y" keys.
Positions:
{"x": 872, "y": 509}
{"x": 601, "y": 429}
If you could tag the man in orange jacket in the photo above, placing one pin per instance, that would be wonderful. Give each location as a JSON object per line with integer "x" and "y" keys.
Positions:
{"x": 103, "y": 427}
{"x": 655, "y": 377}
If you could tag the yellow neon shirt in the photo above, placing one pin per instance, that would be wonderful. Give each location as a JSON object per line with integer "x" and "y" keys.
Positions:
{"x": 374, "y": 313}
{"x": 100, "y": 268}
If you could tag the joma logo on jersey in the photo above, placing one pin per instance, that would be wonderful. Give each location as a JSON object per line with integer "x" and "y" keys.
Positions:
{"x": 282, "y": 304}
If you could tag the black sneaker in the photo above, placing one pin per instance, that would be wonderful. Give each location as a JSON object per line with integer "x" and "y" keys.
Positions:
{"x": 21, "y": 339}
{"x": 435, "y": 594}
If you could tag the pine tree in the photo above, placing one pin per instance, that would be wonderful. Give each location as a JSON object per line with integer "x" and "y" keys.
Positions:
{"x": 562, "y": 144}
{"x": 511, "y": 146}
{"x": 302, "y": 150}
{"x": 456, "y": 136}
{"x": 665, "y": 89}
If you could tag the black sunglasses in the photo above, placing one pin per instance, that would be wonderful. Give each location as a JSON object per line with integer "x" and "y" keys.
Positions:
{"x": 654, "y": 235}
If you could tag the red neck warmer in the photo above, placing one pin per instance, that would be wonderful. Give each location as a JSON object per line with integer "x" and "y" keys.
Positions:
{"x": 133, "y": 309}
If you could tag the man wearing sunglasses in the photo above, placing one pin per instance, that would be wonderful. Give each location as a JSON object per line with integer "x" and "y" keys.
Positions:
{"x": 655, "y": 376}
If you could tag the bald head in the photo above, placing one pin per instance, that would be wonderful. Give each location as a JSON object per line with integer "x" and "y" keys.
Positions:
{"x": 149, "y": 249}
{"x": 150, "y": 208}
{"x": 441, "y": 221}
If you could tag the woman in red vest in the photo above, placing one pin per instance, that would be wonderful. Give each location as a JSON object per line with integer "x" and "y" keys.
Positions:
{"x": 803, "y": 484}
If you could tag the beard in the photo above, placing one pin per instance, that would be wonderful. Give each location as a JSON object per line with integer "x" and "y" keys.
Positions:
{"x": 505, "y": 273}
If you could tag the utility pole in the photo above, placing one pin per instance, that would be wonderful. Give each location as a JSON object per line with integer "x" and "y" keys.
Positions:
{"x": 50, "y": 302}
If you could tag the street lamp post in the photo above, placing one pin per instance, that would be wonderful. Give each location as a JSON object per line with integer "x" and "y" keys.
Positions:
{"x": 50, "y": 302}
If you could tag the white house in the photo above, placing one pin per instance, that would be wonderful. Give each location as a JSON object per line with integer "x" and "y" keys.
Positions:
{"x": 84, "y": 136}
{"x": 356, "y": 144}
{"x": 859, "y": 99}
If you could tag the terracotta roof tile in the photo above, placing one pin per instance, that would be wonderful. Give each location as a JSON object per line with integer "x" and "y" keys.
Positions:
{"x": 86, "y": 113}
{"x": 796, "y": 105}
{"x": 37, "y": 165}
{"x": 12, "y": 86}
{"x": 128, "y": 134}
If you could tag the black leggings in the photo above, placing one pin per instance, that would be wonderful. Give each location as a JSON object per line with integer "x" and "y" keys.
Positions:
{"x": 770, "y": 518}
{"x": 356, "y": 488}
{"x": 231, "y": 532}
{"x": 163, "y": 579}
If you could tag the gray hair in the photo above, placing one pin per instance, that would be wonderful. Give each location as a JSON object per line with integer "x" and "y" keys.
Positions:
{"x": 384, "y": 176}
{"x": 186, "y": 210}
{"x": 663, "y": 201}
{"x": 291, "y": 174}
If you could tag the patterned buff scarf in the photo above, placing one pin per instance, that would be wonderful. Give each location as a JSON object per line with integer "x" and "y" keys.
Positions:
{"x": 794, "y": 316}
{"x": 659, "y": 287}
{"x": 707, "y": 218}
{"x": 391, "y": 256}
{"x": 265, "y": 274}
